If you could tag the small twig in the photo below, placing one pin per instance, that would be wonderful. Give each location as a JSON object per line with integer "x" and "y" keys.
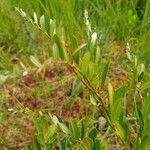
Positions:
{"x": 20, "y": 144}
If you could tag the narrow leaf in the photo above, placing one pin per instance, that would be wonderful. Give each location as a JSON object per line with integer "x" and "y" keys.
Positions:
{"x": 111, "y": 95}
{"x": 87, "y": 144}
{"x": 35, "y": 61}
{"x": 64, "y": 128}
{"x": 116, "y": 110}
{"x": 119, "y": 93}
{"x": 35, "y": 18}
{"x": 42, "y": 22}
{"x": 62, "y": 52}
{"x": 146, "y": 108}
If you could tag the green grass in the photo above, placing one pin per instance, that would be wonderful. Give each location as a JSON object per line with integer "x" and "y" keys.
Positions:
{"x": 76, "y": 71}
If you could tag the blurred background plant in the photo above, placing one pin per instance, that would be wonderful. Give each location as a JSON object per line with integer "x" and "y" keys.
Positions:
{"x": 105, "y": 44}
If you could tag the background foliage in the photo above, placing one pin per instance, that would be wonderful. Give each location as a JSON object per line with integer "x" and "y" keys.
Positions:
{"x": 104, "y": 90}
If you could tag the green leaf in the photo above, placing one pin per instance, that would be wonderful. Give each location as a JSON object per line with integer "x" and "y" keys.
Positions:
{"x": 120, "y": 131}
{"x": 138, "y": 114}
{"x": 104, "y": 144}
{"x": 36, "y": 145}
{"x": 87, "y": 144}
{"x": 55, "y": 52}
{"x": 98, "y": 55}
{"x": 62, "y": 52}
{"x": 111, "y": 95}
{"x": 35, "y": 18}
{"x": 136, "y": 145}
{"x": 146, "y": 109}
{"x": 125, "y": 125}
{"x": 140, "y": 77}
{"x": 52, "y": 27}
{"x": 104, "y": 75}
{"x": 146, "y": 130}
{"x": 79, "y": 48}
{"x": 145, "y": 142}
{"x": 51, "y": 134}
{"x": 116, "y": 110}
{"x": 64, "y": 128}
{"x": 84, "y": 63}
{"x": 55, "y": 120}
{"x": 76, "y": 90}
{"x": 93, "y": 38}
{"x": 35, "y": 61}
{"x": 93, "y": 133}
{"x": 74, "y": 129}
{"x": 93, "y": 100}
{"x": 129, "y": 56}
{"x": 38, "y": 126}
{"x": 93, "y": 72}
{"x": 42, "y": 22}
{"x": 145, "y": 86}
{"x": 97, "y": 145}
{"x": 119, "y": 93}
